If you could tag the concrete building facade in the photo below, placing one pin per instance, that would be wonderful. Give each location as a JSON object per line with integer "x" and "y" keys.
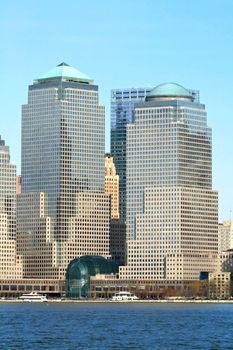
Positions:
{"x": 63, "y": 211}
{"x": 172, "y": 211}
{"x": 10, "y": 263}
{"x": 225, "y": 236}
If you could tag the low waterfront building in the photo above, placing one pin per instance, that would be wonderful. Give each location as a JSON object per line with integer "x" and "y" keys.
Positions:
{"x": 220, "y": 285}
{"x": 12, "y": 288}
{"x": 107, "y": 286}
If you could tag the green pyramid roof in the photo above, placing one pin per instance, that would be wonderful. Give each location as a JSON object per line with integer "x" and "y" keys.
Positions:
{"x": 64, "y": 72}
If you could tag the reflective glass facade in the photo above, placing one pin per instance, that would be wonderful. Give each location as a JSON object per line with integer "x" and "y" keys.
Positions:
{"x": 80, "y": 270}
{"x": 63, "y": 133}
{"x": 122, "y": 114}
{"x": 168, "y": 144}
{"x": 172, "y": 211}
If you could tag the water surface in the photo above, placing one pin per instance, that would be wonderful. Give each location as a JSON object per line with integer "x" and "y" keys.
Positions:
{"x": 116, "y": 326}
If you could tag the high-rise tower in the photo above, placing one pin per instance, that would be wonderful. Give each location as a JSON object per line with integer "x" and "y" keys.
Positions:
{"x": 7, "y": 188}
{"x": 122, "y": 114}
{"x": 172, "y": 211}
{"x": 112, "y": 185}
{"x": 10, "y": 266}
{"x": 63, "y": 131}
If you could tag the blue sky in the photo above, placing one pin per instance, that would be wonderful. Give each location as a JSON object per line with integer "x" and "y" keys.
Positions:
{"x": 123, "y": 44}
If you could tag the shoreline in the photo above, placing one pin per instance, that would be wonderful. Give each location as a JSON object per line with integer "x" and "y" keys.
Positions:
{"x": 104, "y": 301}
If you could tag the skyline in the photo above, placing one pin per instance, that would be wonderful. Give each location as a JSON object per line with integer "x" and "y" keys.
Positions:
{"x": 122, "y": 46}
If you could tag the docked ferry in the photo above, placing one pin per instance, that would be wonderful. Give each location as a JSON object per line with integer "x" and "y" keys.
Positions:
{"x": 33, "y": 297}
{"x": 124, "y": 296}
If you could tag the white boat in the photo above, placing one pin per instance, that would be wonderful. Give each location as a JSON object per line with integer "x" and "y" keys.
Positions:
{"x": 33, "y": 297}
{"x": 124, "y": 296}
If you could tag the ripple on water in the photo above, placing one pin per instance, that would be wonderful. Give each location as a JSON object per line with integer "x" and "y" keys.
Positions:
{"x": 116, "y": 326}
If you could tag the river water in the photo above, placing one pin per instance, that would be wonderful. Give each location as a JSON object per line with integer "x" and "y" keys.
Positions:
{"x": 116, "y": 326}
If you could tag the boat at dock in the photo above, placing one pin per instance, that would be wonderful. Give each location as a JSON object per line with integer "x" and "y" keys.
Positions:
{"x": 124, "y": 296}
{"x": 33, "y": 297}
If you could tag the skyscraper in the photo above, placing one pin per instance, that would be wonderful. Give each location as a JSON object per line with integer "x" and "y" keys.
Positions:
{"x": 10, "y": 265}
{"x": 112, "y": 185}
{"x": 172, "y": 211}
{"x": 63, "y": 145}
{"x": 63, "y": 211}
{"x": 122, "y": 114}
{"x": 7, "y": 188}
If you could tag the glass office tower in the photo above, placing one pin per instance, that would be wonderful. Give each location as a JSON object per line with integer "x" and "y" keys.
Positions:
{"x": 168, "y": 144}
{"x": 122, "y": 114}
{"x": 63, "y": 141}
{"x": 172, "y": 211}
{"x": 123, "y": 102}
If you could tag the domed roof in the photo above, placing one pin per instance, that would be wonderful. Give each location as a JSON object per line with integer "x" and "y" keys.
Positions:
{"x": 169, "y": 90}
{"x": 64, "y": 72}
{"x": 80, "y": 270}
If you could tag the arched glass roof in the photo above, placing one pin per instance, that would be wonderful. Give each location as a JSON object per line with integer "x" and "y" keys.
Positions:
{"x": 80, "y": 270}
{"x": 169, "y": 90}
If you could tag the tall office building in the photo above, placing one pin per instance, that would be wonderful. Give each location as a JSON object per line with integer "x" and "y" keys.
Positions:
{"x": 63, "y": 142}
{"x": 10, "y": 264}
{"x": 122, "y": 114}
{"x": 117, "y": 226}
{"x": 172, "y": 211}
{"x": 63, "y": 211}
{"x": 112, "y": 185}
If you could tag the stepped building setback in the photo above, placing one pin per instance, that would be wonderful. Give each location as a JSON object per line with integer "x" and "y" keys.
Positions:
{"x": 63, "y": 148}
{"x": 143, "y": 218}
{"x": 171, "y": 209}
{"x": 10, "y": 263}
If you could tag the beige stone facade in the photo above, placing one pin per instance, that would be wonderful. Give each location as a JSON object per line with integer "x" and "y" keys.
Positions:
{"x": 89, "y": 228}
{"x": 35, "y": 241}
{"x": 45, "y": 257}
{"x": 18, "y": 184}
{"x": 225, "y": 236}
{"x": 112, "y": 186}
{"x": 176, "y": 236}
{"x": 10, "y": 263}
